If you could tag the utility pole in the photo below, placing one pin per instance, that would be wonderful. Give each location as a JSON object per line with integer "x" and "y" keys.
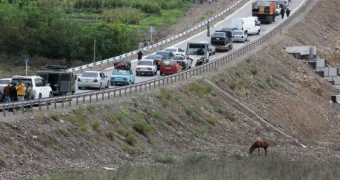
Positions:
{"x": 151, "y": 30}
{"x": 94, "y": 51}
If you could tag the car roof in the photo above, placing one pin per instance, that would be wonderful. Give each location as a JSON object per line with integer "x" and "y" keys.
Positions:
{"x": 92, "y": 71}
{"x": 6, "y": 79}
{"x": 153, "y": 55}
{"x": 146, "y": 60}
{"x": 164, "y": 51}
{"x": 172, "y": 48}
{"x": 204, "y": 42}
{"x": 25, "y": 77}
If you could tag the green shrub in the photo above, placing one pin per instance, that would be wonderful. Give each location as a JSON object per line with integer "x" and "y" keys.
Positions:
{"x": 219, "y": 111}
{"x": 124, "y": 15}
{"x": 129, "y": 149}
{"x": 125, "y": 112}
{"x": 39, "y": 116}
{"x": 121, "y": 131}
{"x": 268, "y": 80}
{"x": 239, "y": 74}
{"x": 190, "y": 111}
{"x": 164, "y": 158}
{"x": 248, "y": 60}
{"x": 83, "y": 128}
{"x": 55, "y": 116}
{"x": 195, "y": 158}
{"x": 205, "y": 128}
{"x": 165, "y": 97}
{"x": 62, "y": 130}
{"x": 162, "y": 117}
{"x": 131, "y": 139}
{"x": 142, "y": 126}
{"x": 117, "y": 116}
{"x": 232, "y": 85}
{"x": 213, "y": 94}
{"x": 199, "y": 89}
{"x": 110, "y": 135}
{"x": 95, "y": 124}
{"x": 253, "y": 70}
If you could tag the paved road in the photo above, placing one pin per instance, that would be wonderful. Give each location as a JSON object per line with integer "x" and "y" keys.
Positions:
{"x": 244, "y": 11}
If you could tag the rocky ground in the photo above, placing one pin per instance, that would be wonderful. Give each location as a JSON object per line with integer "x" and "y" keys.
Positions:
{"x": 193, "y": 116}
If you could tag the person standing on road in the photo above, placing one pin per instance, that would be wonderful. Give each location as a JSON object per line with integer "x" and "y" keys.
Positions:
{"x": 287, "y": 12}
{"x": 140, "y": 54}
{"x": 282, "y": 12}
{"x": 208, "y": 29}
{"x": 20, "y": 87}
{"x": 7, "y": 94}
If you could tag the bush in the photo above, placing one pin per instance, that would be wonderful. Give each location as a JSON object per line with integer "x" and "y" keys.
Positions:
{"x": 95, "y": 124}
{"x": 55, "y": 116}
{"x": 162, "y": 117}
{"x": 205, "y": 128}
{"x": 165, "y": 97}
{"x": 232, "y": 85}
{"x": 62, "y": 130}
{"x": 253, "y": 70}
{"x": 212, "y": 120}
{"x": 129, "y": 149}
{"x": 110, "y": 135}
{"x": 121, "y": 131}
{"x": 199, "y": 89}
{"x": 142, "y": 126}
{"x": 164, "y": 158}
{"x": 190, "y": 111}
{"x": 131, "y": 139}
{"x": 124, "y": 15}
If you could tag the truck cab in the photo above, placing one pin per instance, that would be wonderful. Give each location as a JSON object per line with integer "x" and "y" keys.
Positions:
{"x": 60, "y": 79}
{"x": 198, "y": 53}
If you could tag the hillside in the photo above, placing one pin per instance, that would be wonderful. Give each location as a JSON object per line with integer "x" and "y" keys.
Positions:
{"x": 197, "y": 117}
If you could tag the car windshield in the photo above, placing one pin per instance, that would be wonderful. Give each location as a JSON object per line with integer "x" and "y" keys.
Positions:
{"x": 179, "y": 58}
{"x": 89, "y": 74}
{"x": 279, "y": 2}
{"x": 24, "y": 81}
{"x": 149, "y": 63}
{"x": 4, "y": 81}
{"x": 219, "y": 34}
{"x": 120, "y": 72}
{"x": 238, "y": 33}
{"x": 170, "y": 50}
{"x": 153, "y": 57}
{"x": 164, "y": 54}
{"x": 168, "y": 63}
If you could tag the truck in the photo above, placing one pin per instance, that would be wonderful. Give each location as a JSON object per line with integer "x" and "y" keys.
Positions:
{"x": 198, "y": 53}
{"x": 223, "y": 39}
{"x": 59, "y": 78}
{"x": 264, "y": 10}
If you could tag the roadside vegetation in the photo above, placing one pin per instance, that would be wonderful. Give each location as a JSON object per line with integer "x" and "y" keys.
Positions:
{"x": 66, "y": 30}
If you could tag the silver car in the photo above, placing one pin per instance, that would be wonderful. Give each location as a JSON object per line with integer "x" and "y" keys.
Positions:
{"x": 93, "y": 79}
{"x": 240, "y": 36}
{"x": 185, "y": 63}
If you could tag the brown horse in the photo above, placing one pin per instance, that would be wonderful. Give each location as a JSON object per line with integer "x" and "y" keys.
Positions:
{"x": 259, "y": 144}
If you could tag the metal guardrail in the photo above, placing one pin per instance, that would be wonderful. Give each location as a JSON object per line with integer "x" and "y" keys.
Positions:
{"x": 158, "y": 82}
{"x": 156, "y": 45}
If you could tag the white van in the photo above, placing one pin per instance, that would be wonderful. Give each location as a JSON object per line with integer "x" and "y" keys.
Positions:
{"x": 246, "y": 24}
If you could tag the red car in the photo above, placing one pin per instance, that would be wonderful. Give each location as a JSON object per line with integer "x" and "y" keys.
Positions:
{"x": 170, "y": 67}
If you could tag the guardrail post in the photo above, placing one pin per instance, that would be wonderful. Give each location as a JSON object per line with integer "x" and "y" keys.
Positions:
{"x": 47, "y": 105}
{"x": 70, "y": 102}
{"x": 13, "y": 109}
{"x": 114, "y": 93}
{"x": 102, "y": 96}
{"x": 31, "y": 104}
{"x": 62, "y": 102}
{"x": 39, "y": 105}
{"x": 145, "y": 87}
{"x": 55, "y": 104}
{"x": 96, "y": 97}
{"x": 167, "y": 80}
{"x": 90, "y": 98}
{"x": 22, "y": 108}
{"x": 154, "y": 84}
{"x": 120, "y": 92}
{"x": 149, "y": 85}
{"x": 159, "y": 83}
{"x": 140, "y": 88}
{"x": 125, "y": 91}
{"x": 83, "y": 99}
{"x": 108, "y": 95}
{"x": 4, "y": 110}
{"x": 170, "y": 79}
{"x": 130, "y": 89}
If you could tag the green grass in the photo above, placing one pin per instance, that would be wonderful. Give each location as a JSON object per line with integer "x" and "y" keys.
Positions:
{"x": 110, "y": 135}
{"x": 212, "y": 120}
{"x": 55, "y": 116}
{"x": 232, "y": 85}
{"x": 131, "y": 139}
{"x": 164, "y": 158}
{"x": 62, "y": 130}
{"x": 95, "y": 125}
{"x": 190, "y": 111}
{"x": 163, "y": 117}
{"x": 121, "y": 131}
{"x": 199, "y": 89}
{"x": 253, "y": 70}
{"x": 165, "y": 97}
{"x": 2, "y": 161}
{"x": 129, "y": 149}
{"x": 142, "y": 126}
{"x": 205, "y": 129}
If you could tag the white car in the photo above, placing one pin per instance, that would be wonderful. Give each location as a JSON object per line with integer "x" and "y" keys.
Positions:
{"x": 39, "y": 86}
{"x": 184, "y": 62}
{"x": 211, "y": 48}
{"x": 4, "y": 82}
{"x": 240, "y": 36}
{"x": 175, "y": 50}
{"x": 93, "y": 79}
{"x": 146, "y": 66}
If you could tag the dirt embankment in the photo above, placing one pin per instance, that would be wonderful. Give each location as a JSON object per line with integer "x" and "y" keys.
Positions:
{"x": 193, "y": 116}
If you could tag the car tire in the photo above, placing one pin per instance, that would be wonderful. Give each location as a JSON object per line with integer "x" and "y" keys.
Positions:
{"x": 137, "y": 74}
{"x": 214, "y": 52}
{"x": 155, "y": 73}
{"x": 80, "y": 88}
{"x": 258, "y": 32}
{"x": 111, "y": 84}
{"x": 133, "y": 82}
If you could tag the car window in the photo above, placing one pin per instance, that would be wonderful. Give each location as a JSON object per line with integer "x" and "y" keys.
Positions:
{"x": 170, "y": 50}
{"x": 167, "y": 63}
{"x": 89, "y": 74}
{"x": 24, "y": 81}
{"x": 219, "y": 34}
{"x": 4, "y": 81}
{"x": 179, "y": 58}
{"x": 38, "y": 82}
{"x": 238, "y": 33}
{"x": 121, "y": 72}
{"x": 145, "y": 63}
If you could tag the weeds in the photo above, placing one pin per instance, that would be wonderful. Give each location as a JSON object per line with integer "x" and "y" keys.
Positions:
{"x": 2, "y": 161}
{"x": 239, "y": 157}
{"x": 219, "y": 111}
{"x": 125, "y": 15}
{"x": 62, "y": 130}
{"x": 222, "y": 79}
{"x": 199, "y": 89}
{"x": 190, "y": 111}
{"x": 91, "y": 108}
{"x": 165, "y": 97}
{"x": 240, "y": 74}
{"x": 129, "y": 149}
{"x": 164, "y": 158}
{"x": 253, "y": 70}
{"x": 95, "y": 125}
{"x": 121, "y": 131}
{"x": 195, "y": 158}
{"x": 162, "y": 117}
{"x": 212, "y": 120}
{"x": 213, "y": 94}
{"x": 261, "y": 84}
{"x": 110, "y": 135}
{"x": 70, "y": 119}
{"x": 142, "y": 126}
{"x": 232, "y": 85}
{"x": 268, "y": 80}
{"x": 131, "y": 139}
{"x": 177, "y": 98}
{"x": 55, "y": 116}
{"x": 249, "y": 60}
{"x": 125, "y": 112}
{"x": 39, "y": 116}
{"x": 205, "y": 129}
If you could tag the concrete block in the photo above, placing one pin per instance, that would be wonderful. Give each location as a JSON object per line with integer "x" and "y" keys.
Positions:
{"x": 320, "y": 63}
